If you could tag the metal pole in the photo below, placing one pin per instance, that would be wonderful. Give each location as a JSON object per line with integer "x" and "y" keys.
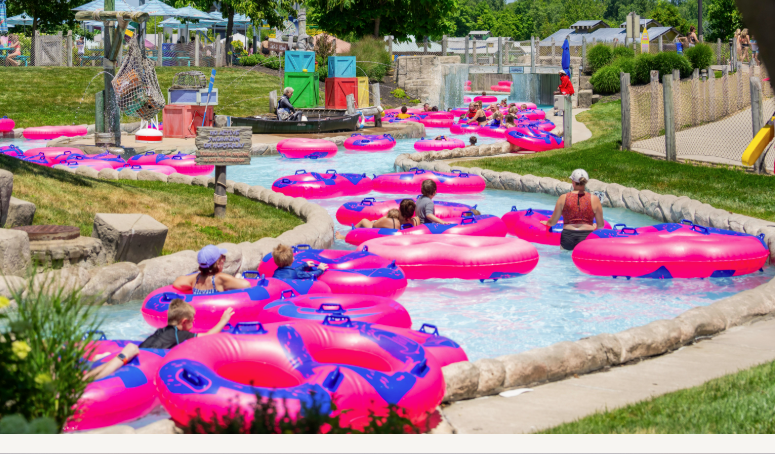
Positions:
{"x": 467, "y": 61}
{"x": 69, "y": 48}
{"x": 473, "y": 51}
{"x": 583, "y": 53}
{"x": 196, "y": 50}
{"x": 670, "y": 146}
{"x": 444, "y": 46}
{"x": 661, "y": 46}
{"x": 532, "y": 55}
{"x": 111, "y": 124}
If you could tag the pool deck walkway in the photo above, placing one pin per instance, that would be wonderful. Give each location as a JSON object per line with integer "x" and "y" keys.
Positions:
{"x": 565, "y": 401}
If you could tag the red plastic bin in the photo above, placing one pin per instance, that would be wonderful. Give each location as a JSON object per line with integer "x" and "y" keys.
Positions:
{"x": 337, "y": 89}
{"x": 181, "y": 121}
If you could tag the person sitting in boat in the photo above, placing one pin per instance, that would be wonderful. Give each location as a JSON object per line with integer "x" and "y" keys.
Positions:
{"x": 475, "y": 114}
{"x": 426, "y": 107}
{"x": 285, "y": 110}
{"x": 405, "y": 214}
{"x": 504, "y": 103}
{"x": 210, "y": 278}
{"x": 497, "y": 117}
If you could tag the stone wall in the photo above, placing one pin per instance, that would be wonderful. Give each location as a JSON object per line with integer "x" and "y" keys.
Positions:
{"x": 490, "y": 376}
{"x": 423, "y": 76}
{"x": 121, "y": 282}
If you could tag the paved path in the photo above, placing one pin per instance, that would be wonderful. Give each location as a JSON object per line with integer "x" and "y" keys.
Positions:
{"x": 565, "y": 401}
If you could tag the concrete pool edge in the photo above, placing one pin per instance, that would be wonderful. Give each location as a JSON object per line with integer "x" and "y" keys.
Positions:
{"x": 122, "y": 282}
{"x": 489, "y": 376}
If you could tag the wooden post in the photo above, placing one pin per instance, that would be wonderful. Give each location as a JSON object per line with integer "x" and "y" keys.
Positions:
{"x": 350, "y": 104}
{"x": 661, "y": 44}
{"x": 99, "y": 114}
{"x": 567, "y": 122}
{"x": 718, "y": 51}
{"x": 624, "y": 81}
{"x": 425, "y": 45}
{"x": 553, "y": 44}
{"x": 444, "y": 46}
{"x": 725, "y": 89}
{"x": 583, "y": 54}
{"x": 467, "y": 60}
{"x": 273, "y": 101}
{"x": 390, "y": 46}
{"x": 532, "y": 55}
{"x": 196, "y": 50}
{"x": 670, "y": 147}
{"x": 473, "y": 52}
{"x": 220, "y": 192}
{"x": 655, "y": 92}
{"x": 159, "y": 49}
{"x": 739, "y": 77}
{"x": 695, "y": 97}
{"x": 712, "y": 108}
{"x": 500, "y": 54}
{"x": 375, "y": 95}
{"x": 69, "y": 46}
{"x": 217, "y": 51}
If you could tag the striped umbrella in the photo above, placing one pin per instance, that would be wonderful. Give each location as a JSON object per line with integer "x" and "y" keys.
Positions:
{"x": 3, "y": 21}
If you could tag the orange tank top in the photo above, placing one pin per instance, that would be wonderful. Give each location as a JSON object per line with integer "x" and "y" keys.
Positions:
{"x": 578, "y": 209}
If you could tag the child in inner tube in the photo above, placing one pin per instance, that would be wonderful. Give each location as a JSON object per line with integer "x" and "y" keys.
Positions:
{"x": 283, "y": 258}
{"x": 393, "y": 220}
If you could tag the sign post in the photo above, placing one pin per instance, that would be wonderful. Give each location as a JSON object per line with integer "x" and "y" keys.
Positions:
{"x": 223, "y": 147}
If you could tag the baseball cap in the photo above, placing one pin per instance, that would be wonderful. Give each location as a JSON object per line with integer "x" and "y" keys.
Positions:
{"x": 578, "y": 174}
{"x": 209, "y": 254}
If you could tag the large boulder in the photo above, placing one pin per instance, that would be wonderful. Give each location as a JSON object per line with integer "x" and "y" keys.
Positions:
{"x": 6, "y": 187}
{"x": 14, "y": 252}
{"x": 160, "y": 271}
{"x": 129, "y": 237}
{"x": 20, "y": 212}
{"x": 105, "y": 281}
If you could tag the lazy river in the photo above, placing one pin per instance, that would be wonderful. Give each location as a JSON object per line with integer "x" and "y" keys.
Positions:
{"x": 554, "y": 303}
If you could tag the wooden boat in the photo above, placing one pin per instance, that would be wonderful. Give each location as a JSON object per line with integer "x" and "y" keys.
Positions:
{"x": 318, "y": 121}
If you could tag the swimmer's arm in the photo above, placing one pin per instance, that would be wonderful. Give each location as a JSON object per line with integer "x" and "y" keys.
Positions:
{"x": 130, "y": 351}
{"x": 557, "y": 212}
{"x": 597, "y": 207}
{"x": 219, "y": 327}
{"x": 184, "y": 283}
{"x": 436, "y": 219}
{"x": 232, "y": 283}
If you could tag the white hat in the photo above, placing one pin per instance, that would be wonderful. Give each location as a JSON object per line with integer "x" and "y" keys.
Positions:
{"x": 578, "y": 174}
{"x": 562, "y": 71}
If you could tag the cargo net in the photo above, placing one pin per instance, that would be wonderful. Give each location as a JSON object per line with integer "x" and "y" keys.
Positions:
{"x": 136, "y": 86}
{"x": 712, "y": 117}
{"x": 189, "y": 80}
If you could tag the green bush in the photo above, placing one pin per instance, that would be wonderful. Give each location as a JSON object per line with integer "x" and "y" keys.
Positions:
{"x": 17, "y": 424}
{"x": 644, "y": 64}
{"x": 372, "y": 58}
{"x": 606, "y": 80}
{"x": 250, "y": 60}
{"x": 700, "y": 56}
{"x": 622, "y": 51}
{"x": 625, "y": 65}
{"x": 599, "y": 55}
{"x": 666, "y": 62}
{"x": 42, "y": 345}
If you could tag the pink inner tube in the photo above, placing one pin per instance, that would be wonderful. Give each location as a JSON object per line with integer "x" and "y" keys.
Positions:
{"x": 438, "y": 115}
{"x": 466, "y": 99}
{"x": 458, "y": 128}
{"x": 533, "y": 139}
{"x": 502, "y": 88}
{"x": 6, "y": 124}
{"x": 149, "y": 157}
{"x": 486, "y": 98}
{"x": 446, "y": 183}
{"x": 369, "y": 208}
{"x": 52, "y": 132}
{"x": 306, "y": 148}
{"x": 409, "y": 110}
{"x": 481, "y": 225}
{"x": 125, "y": 395}
{"x": 50, "y": 153}
{"x": 361, "y": 308}
{"x": 247, "y": 303}
{"x": 543, "y": 125}
{"x": 437, "y": 122}
{"x": 497, "y": 132}
{"x": 363, "y": 142}
{"x": 348, "y": 271}
{"x": 185, "y": 164}
{"x": 528, "y": 105}
{"x": 506, "y": 83}
{"x": 456, "y": 257}
{"x": 95, "y": 164}
{"x": 441, "y": 144}
{"x": 313, "y": 185}
{"x": 535, "y": 114}
{"x": 444, "y": 349}
{"x": 526, "y": 224}
{"x": 166, "y": 170}
{"x": 666, "y": 251}
{"x": 114, "y": 160}
{"x": 363, "y": 367}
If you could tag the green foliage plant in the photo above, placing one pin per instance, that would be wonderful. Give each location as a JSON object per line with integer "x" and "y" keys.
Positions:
{"x": 700, "y": 56}
{"x": 666, "y": 62}
{"x": 625, "y": 65}
{"x": 599, "y": 56}
{"x": 724, "y": 18}
{"x": 644, "y": 64}
{"x": 372, "y": 58}
{"x": 606, "y": 80}
{"x": 622, "y": 51}
{"x": 271, "y": 417}
{"x": 42, "y": 344}
{"x": 399, "y": 93}
{"x": 17, "y": 424}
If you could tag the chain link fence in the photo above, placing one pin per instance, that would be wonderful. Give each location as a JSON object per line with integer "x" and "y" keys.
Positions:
{"x": 712, "y": 117}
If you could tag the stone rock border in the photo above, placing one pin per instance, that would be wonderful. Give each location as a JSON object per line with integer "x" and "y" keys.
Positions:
{"x": 490, "y": 376}
{"x": 493, "y": 149}
{"x": 124, "y": 281}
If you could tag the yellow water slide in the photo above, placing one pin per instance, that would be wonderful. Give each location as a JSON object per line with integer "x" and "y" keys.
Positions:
{"x": 759, "y": 143}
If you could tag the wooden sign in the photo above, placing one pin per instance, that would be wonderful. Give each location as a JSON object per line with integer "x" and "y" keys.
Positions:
{"x": 277, "y": 47}
{"x": 227, "y": 146}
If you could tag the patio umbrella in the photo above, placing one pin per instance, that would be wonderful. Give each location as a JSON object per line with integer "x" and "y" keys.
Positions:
{"x": 156, "y": 9}
{"x": 566, "y": 56}
{"x": 3, "y": 21}
{"x": 20, "y": 19}
{"x": 99, "y": 5}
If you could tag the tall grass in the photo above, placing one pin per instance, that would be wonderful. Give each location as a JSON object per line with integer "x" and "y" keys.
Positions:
{"x": 372, "y": 56}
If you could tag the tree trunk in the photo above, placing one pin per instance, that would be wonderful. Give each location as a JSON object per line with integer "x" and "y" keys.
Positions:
{"x": 376, "y": 27}
{"x": 229, "y": 29}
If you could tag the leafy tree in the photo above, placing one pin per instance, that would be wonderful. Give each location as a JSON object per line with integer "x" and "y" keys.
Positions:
{"x": 723, "y": 18}
{"x": 576, "y": 10}
{"x": 399, "y": 18}
{"x": 670, "y": 16}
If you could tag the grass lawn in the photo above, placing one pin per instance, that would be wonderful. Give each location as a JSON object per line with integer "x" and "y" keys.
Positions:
{"x": 67, "y": 199}
{"x": 743, "y": 402}
{"x": 43, "y": 96}
{"x": 731, "y": 190}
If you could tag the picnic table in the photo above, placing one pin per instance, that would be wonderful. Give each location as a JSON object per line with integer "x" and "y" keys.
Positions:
{"x": 6, "y": 50}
